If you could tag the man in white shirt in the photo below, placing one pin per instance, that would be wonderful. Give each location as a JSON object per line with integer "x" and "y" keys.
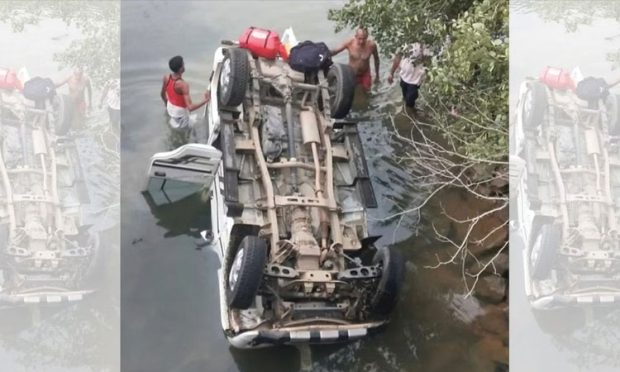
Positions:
{"x": 411, "y": 71}
{"x": 112, "y": 95}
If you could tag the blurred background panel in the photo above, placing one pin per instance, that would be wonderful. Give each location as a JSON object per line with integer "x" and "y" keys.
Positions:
{"x": 60, "y": 177}
{"x": 565, "y": 273}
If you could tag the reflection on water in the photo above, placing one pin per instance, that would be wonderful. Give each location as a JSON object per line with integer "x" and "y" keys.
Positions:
{"x": 170, "y": 318}
{"x": 80, "y": 336}
{"x": 565, "y": 35}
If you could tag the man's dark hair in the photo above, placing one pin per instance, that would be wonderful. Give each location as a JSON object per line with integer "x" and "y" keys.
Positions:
{"x": 176, "y": 63}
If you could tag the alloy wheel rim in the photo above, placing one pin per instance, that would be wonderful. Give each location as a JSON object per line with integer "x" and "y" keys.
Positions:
{"x": 235, "y": 268}
{"x": 225, "y": 76}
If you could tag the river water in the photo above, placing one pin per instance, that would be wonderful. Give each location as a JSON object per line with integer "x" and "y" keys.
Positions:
{"x": 82, "y": 336}
{"x": 585, "y": 341}
{"x": 170, "y": 311}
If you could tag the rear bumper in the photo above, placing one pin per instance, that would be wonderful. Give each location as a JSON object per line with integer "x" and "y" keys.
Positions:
{"x": 43, "y": 297}
{"x": 314, "y": 335}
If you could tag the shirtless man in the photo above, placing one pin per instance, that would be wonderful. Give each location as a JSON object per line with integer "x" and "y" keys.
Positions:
{"x": 79, "y": 84}
{"x": 360, "y": 49}
{"x": 175, "y": 94}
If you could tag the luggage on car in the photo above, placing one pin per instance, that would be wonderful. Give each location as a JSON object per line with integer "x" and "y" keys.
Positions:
{"x": 9, "y": 80}
{"x": 38, "y": 89}
{"x": 592, "y": 89}
{"x": 262, "y": 43}
{"x": 309, "y": 56}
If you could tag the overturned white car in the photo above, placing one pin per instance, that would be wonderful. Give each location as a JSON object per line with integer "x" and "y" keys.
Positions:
{"x": 46, "y": 252}
{"x": 289, "y": 191}
{"x": 568, "y": 200}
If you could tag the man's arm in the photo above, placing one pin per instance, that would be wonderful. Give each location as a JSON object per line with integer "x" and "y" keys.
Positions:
{"x": 613, "y": 84}
{"x": 188, "y": 100}
{"x": 63, "y": 82}
{"x": 395, "y": 64}
{"x": 163, "y": 89}
{"x": 340, "y": 48}
{"x": 375, "y": 55}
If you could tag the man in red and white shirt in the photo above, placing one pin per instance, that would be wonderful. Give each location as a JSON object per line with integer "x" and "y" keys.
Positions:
{"x": 175, "y": 94}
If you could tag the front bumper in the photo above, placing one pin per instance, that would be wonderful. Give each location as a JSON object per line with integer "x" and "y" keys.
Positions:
{"x": 558, "y": 300}
{"x": 43, "y": 297}
{"x": 307, "y": 335}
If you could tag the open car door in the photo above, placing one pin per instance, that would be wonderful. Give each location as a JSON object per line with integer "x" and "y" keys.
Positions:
{"x": 176, "y": 174}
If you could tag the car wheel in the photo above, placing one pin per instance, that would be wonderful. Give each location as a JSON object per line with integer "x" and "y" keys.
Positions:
{"x": 62, "y": 108}
{"x": 341, "y": 86}
{"x": 544, "y": 250}
{"x": 613, "y": 113}
{"x": 534, "y": 105}
{"x": 392, "y": 267}
{"x": 246, "y": 271}
{"x": 234, "y": 77}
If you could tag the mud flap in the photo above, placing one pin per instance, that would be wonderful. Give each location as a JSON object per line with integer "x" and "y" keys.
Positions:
{"x": 362, "y": 179}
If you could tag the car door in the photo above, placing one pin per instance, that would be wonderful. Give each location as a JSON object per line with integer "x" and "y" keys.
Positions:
{"x": 186, "y": 173}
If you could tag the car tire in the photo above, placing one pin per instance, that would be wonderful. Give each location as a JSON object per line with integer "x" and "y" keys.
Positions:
{"x": 234, "y": 77}
{"x": 392, "y": 276}
{"x": 63, "y": 113}
{"x": 534, "y": 105}
{"x": 613, "y": 114}
{"x": 542, "y": 261}
{"x": 246, "y": 271}
{"x": 341, "y": 85}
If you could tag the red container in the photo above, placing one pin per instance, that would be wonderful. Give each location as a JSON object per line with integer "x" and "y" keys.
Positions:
{"x": 557, "y": 78}
{"x": 9, "y": 80}
{"x": 262, "y": 43}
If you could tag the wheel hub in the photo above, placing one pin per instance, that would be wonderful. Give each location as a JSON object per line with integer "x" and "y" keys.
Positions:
{"x": 233, "y": 275}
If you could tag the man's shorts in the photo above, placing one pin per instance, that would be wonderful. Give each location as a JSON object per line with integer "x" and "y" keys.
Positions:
{"x": 179, "y": 116}
{"x": 410, "y": 93}
{"x": 365, "y": 80}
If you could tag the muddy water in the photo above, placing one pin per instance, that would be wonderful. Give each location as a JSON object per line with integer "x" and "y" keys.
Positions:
{"x": 81, "y": 336}
{"x": 575, "y": 340}
{"x": 170, "y": 313}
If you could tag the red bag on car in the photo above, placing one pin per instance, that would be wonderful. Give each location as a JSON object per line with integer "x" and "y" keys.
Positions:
{"x": 9, "y": 80}
{"x": 262, "y": 43}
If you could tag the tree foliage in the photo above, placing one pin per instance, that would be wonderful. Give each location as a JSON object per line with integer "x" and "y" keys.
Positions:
{"x": 467, "y": 85}
{"x": 98, "y": 45}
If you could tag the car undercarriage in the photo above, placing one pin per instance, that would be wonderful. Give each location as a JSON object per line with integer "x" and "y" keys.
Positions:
{"x": 571, "y": 149}
{"x": 46, "y": 251}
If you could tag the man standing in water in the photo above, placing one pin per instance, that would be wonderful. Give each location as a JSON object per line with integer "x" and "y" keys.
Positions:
{"x": 79, "y": 84}
{"x": 412, "y": 72}
{"x": 360, "y": 50}
{"x": 112, "y": 95}
{"x": 175, "y": 94}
